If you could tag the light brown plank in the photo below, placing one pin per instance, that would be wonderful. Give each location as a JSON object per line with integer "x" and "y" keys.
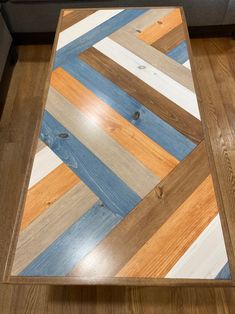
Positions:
{"x": 51, "y": 224}
{"x": 124, "y": 165}
{"x": 137, "y": 228}
{"x": 153, "y": 156}
{"x": 46, "y": 192}
{"x": 156, "y": 58}
{"x": 150, "y": 98}
{"x": 161, "y": 252}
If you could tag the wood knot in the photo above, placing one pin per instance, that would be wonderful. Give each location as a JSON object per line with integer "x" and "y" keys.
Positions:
{"x": 159, "y": 192}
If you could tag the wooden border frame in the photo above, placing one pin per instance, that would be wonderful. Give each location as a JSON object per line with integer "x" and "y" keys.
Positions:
{"x": 227, "y": 238}
{"x": 7, "y": 278}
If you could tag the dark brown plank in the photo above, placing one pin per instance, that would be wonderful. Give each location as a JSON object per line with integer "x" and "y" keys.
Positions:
{"x": 74, "y": 17}
{"x": 170, "y": 40}
{"x": 133, "y": 232}
{"x": 154, "y": 101}
{"x": 216, "y": 70}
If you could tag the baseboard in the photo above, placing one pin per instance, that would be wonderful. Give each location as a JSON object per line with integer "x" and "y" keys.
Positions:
{"x": 33, "y": 38}
{"x": 6, "y": 77}
{"x": 212, "y": 31}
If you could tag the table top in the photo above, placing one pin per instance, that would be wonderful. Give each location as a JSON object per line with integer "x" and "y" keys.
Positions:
{"x": 120, "y": 185}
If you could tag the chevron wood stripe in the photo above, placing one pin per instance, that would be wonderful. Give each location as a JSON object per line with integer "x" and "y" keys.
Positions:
{"x": 150, "y": 98}
{"x": 161, "y": 27}
{"x": 127, "y": 168}
{"x": 51, "y": 224}
{"x": 120, "y": 185}
{"x": 47, "y": 191}
{"x": 96, "y": 31}
{"x": 153, "y": 211}
{"x": 150, "y": 75}
{"x": 110, "y": 188}
{"x": 171, "y": 241}
{"x": 155, "y": 57}
{"x": 84, "y": 26}
{"x": 149, "y": 153}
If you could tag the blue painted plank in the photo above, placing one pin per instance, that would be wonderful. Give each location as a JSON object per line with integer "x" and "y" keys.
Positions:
{"x": 76, "y": 242}
{"x": 224, "y": 273}
{"x": 158, "y": 130}
{"x": 93, "y": 36}
{"x": 179, "y": 53}
{"x": 113, "y": 192}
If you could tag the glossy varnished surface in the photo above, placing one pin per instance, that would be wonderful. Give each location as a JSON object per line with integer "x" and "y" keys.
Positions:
{"x": 117, "y": 168}
{"x": 48, "y": 299}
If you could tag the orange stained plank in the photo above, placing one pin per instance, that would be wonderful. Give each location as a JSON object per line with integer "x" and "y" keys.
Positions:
{"x": 157, "y": 257}
{"x": 47, "y": 191}
{"x": 162, "y": 27}
{"x": 153, "y": 156}
{"x": 66, "y": 12}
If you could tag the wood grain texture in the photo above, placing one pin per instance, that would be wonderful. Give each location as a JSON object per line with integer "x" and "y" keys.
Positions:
{"x": 151, "y": 125}
{"x": 194, "y": 263}
{"x": 154, "y": 57}
{"x": 146, "y": 20}
{"x": 38, "y": 299}
{"x": 51, "y": 224}
{"x": 162, "y": 27}
{"x": 152, "y": 211}
{"x": 17, "y": 299}
{"x": 77, "y": 241}
{"x": 142, "y": 147}
{"x": 155, "y": 78}
{"x": 82, "y": 27}
{"x": 74, "y": 16}
{"x": 216, "y": 70}
{"x": 137, "y": 177}
{"x": 44, "y": 162}
{"x": 46, "y": 192}
{"x": 170, "y": 40}
{"x": 79, "y": 40}
{"x": 110, "y": 189}
{"x": 180, "y": 119}
{"x": 160, "y": 253}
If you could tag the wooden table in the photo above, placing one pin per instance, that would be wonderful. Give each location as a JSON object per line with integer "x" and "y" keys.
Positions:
{"x": 120, "y": 190}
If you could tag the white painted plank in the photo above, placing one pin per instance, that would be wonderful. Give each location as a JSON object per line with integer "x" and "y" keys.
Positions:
{"x": 205, "y": 257}
{"x": 45, "y": 161}
{"x": 161, "y": 82}
{"x": 187, "y": 64}
{"x": 84, "y": 26}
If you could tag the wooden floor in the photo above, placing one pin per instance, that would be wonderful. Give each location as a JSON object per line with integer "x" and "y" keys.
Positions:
{"x": 17, "y": 124}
